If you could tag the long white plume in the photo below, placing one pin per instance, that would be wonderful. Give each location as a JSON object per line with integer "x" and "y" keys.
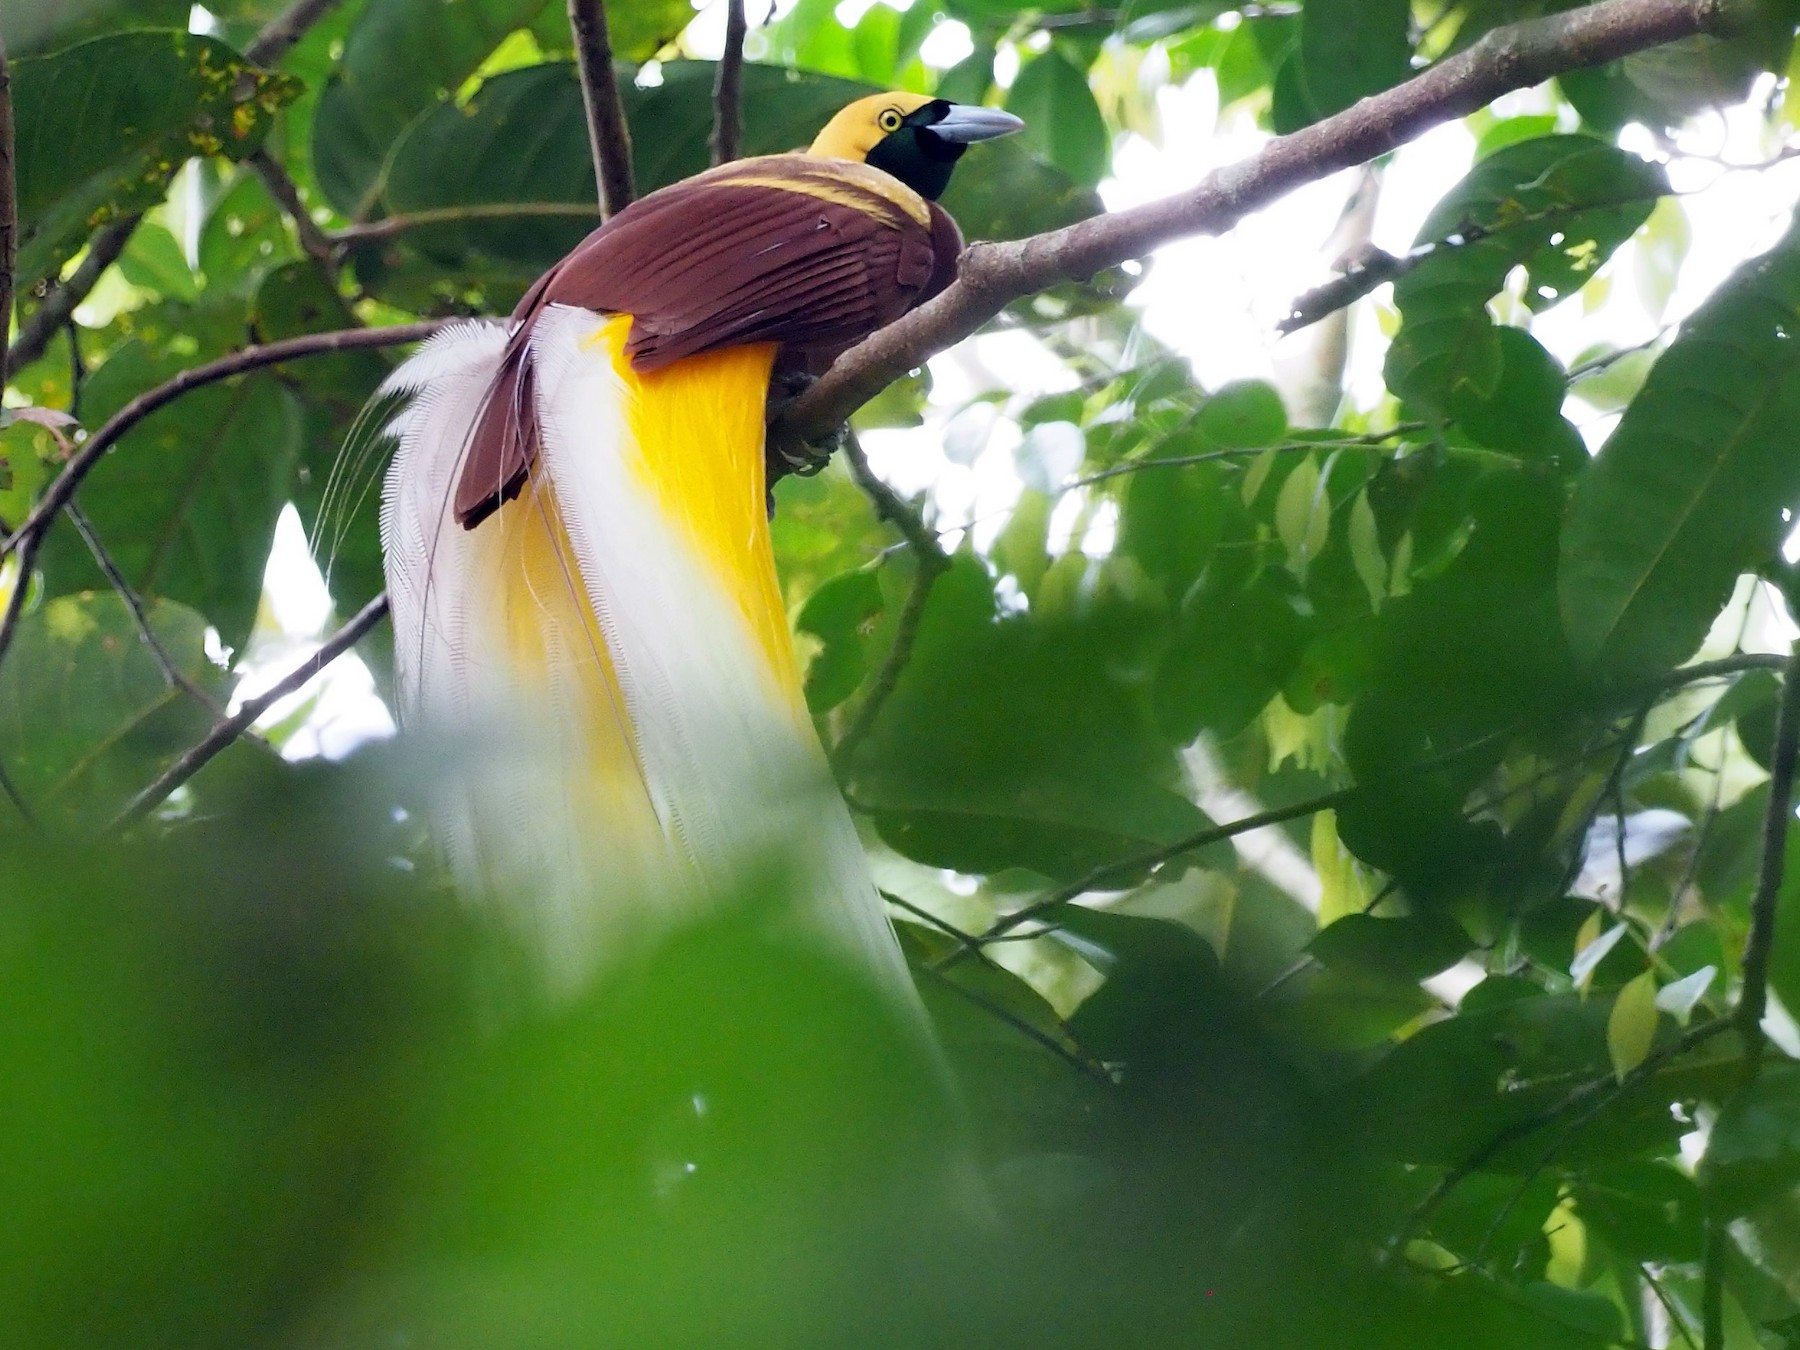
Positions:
{"x": 632, "y": 748}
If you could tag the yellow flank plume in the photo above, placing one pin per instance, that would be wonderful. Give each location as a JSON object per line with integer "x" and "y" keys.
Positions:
{"x": 697, "y": 430}
{"x": 555, "y": 638}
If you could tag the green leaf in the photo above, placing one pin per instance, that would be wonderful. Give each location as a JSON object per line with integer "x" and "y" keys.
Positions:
{"x": 187, "y": 501}
{"x": 1754, "y": 1148}
{"x": 154, "y": 261}
{"x": 1063, "y": 125}
{"x": 1350, "y": 49}
{"x": 1631, "y": 1025}
{"x": 402, "y": 57}
{"x": 1243, "y": 415}
{"x": 102, "y": 126}
{"x": 637, "y": 30}
{"x": 1557, "y": 206}
{"x": 244, "y": 236}
{"x": 522, "y": 141}
{"x": 86, "y": 714}
{"x": 1691, "y": 489}
{"x": 1408, "y": 949}
{"x": 841, "y": 614}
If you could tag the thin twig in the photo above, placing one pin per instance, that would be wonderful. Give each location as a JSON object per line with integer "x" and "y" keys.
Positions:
{"x": 25, "y": 560}
{"x": 229, "y": 729}
{"x": 1006, "y": 1015}
{"x": 991, "y": 276}
{"x": 1373, "y": 441}
{"x": 389, "y": 226}
{"x": 63, "y": 486}
{"x": 11, "y": 789}
{"x": 609, "y": 137}
{"x": 930, "y": 561}
{"x": 1157, "y": 857}
{"x": 54, "y": 309}
{"x": 1595, "y": 1093}
{"x": 282, "y": 188}
{"x": 280, "y": 34}
{"x": 134, "y": 605}
{"x": 9, "y": 208}
{"x": 1753, "y": 1000}
{"x": 1676, "y": 1319}
{"x": 728, "y": 83}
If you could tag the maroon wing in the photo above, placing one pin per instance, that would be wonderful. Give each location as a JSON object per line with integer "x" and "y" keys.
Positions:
{"x": 805, "y": 256}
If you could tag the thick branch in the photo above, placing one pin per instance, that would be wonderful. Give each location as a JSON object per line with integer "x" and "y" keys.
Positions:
{"x": 9, "y": 207}
{"x": 62, "y": 488}
{"x": 728, "y": 86}
{"x": 229, "y": 729}
{"x": 993, "y": 275}
{"x": 609, "y": 137}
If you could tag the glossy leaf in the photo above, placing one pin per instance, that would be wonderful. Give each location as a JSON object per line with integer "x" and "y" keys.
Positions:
{"x": 188, "y": 500}
{"x": 1631, "y": 1026}
{"x": 104, "y": 124}
{"x": 1063, "y": 125}
{"x": 1689, "y": 491}
{"x": 1558, "y": 206}
{"x": 522, "y": 141}
{"x": 1350, "y": 49}
{"x": 401, "y": 58}
{"x": 87, "y": 714}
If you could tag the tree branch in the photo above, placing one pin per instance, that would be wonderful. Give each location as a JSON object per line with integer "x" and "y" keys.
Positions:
{"x": 54, "y": 309}
{"x": 389, "y": 226}
{"x": 134, "y": 605}
{"x": 9, "y": 208}
{"x": 229, "y": 729}
{"x": 313, "y": 240}
{"x": 993, "y": 275}
{"x": 609, "y": 137}
{"x": 63, "y": 487}
{"x": 728, "y": 86}
{"x": 931, "y": 561}
{"x": 279, "y": 35}
{"x": 15, "y": 600}
{"x": 1753, "y": 1000}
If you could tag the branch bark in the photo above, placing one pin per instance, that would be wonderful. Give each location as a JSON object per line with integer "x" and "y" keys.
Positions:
{"x": 280, "y": 34}
{"x": 1753, "y": 999}
{"x": 609, "y": 137}
{"x": 9, "y": 208}
{"x": 55, "y": 308}
{"x": 229, "y": 729}
{"x": 63, "y": 487}
{"x": 313, "y": 240}
{"x": 993, "y": 275}
{"x": 931, "y": 561}
{"x": 728, "y": 86}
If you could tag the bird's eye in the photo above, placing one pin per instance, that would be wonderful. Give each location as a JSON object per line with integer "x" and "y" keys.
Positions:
{"x": 889, "y": 119}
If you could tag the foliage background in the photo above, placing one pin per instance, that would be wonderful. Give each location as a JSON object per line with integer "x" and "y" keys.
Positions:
{"x": 268, "y": 1082}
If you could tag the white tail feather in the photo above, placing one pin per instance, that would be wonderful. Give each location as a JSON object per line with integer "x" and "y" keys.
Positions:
{"x": 636, "y": 750}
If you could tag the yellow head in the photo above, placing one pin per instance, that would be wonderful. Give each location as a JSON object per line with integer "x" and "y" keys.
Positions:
{"x": 916, "y": 139}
